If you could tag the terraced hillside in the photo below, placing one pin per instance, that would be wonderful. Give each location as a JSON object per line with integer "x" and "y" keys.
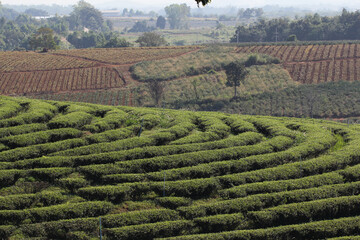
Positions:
{"x": 315, "y": 63}
{"x": 29, "y": 73}
{"x": 166, "y": 174}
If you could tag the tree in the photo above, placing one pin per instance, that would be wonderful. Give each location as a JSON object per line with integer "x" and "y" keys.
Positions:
{"x": 161, "y": 22}
{"x": 86, "y": 39}
{"x": 235, "y": 73}
{"x": 177, "y": 14}
{"x": 86, "y": 15}
{"x": 156, "y": 90}
{"x": 43, "y": 38}
{"x": 292, "y": 38}
{"x": 151, "y": 39}
{"x": 117, "y": 43}
{"x": 141, "y": 26}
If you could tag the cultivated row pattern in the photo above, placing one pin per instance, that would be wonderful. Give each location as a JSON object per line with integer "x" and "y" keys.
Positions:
{"x": 157, "y": 173}
{"x": 315, "y": 63}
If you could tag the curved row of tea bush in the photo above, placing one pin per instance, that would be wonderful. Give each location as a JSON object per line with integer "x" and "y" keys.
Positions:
{"x": 157, "y": 173}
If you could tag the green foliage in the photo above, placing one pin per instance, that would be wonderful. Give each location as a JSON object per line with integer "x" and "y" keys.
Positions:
{"x": 86, "y": 15}
{"x": 117, "y": 43}
{"x": 312, "y": 230}
{"x": 151, "y": 230}
{"x": 256, "y": 59}
{"x": 40, "y": 137}
{"x": 43, "y": 38}
{"x": 265, "y": 200}
{"x": 22, "y": 201}
{"x": 161, "y": 22}
{"x": 141, "y": 26}
{"x": 151, "y": 39}
{"x": 73, "y": 119}
{"x": 292, "y": 38}
{"x": 35, "y": 112}
{"x": 216, "y": 175}
{"x": 303, "y": 212}
{"x": 22, "y": 129}
{"x": 312, "y": 27}
{"x": 53, "y": 213}
{"x": 173, "y": 202}
{"x": 235, "y": 74}
{"x": 9, "y": 109}
{"x": 177, "y": 14}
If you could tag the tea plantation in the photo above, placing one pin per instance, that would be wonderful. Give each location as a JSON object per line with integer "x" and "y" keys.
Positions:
{"x": 76, "y": 170}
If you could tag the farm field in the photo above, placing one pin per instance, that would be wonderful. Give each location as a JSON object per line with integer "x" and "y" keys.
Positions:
{"x": 24, "y": 73}
{"x": 165, "y": 174}
{"x": 194, "y": 78}
{"x": 315, "y": 63}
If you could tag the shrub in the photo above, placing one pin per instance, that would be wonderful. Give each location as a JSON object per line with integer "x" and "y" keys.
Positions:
{"x": 150, "y": 231}
{"x": 73, "y": 120}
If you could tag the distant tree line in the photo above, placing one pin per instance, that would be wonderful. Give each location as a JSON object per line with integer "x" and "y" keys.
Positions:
{"x": 83, "y": 28}
{"x": 310, "y": 28}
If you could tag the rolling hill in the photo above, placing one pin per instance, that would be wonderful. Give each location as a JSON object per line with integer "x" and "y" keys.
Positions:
{"x": 313, "y": 79}
{"x": 157, "y": 173}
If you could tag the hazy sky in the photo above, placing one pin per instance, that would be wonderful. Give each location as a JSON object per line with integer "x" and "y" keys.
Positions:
{"x": 142, "y": 4}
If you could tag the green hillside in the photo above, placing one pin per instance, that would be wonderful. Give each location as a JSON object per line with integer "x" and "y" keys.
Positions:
{"x": 167, "y": 174}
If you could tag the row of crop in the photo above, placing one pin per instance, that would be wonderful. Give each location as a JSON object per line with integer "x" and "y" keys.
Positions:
{"x": 168, "y": 227}
{"x": 313, "y": 230}
{"x": 204, "y": 165}
{"x": 266, "y": 200}
{"x": 112, "y": 120}
{"x": 73, "y": 120}
{"x": 207, "y": 156}
{"x": 9, "y": 108}
{"x": 119, "y": 145}
{"x": 91, "y": 225}
{"x": 238, "y": 125}
{"x": 152, "y": 151}
{"x": 113, "y": 135}
{"x": 157, "y": 138}
{"x": 22, "y": 201}
{"x": 18, "y": 154}
{"x": 22, "y": 129}
{"x": 9, "y": 177}
{"x": 321, "y": 142}
{"x": 127, "y": 55}
{"x": 13, "y": 61}
{"x": 212, "y": 129}
{"x": 282, "y": 185}
{"x": 37, "y": 112}
{"x": 40, "y": 137}
{"x": 348, "y": 174}
{"x": 151, "y": 230}
{"x": 58, "y": 161}
{"x": 194, "y": 188}
{"x": 348, "y": 155}
{"x": 305, "y": 211}
{"x": 53, "y": 213}
{"x": 271, "y": 127}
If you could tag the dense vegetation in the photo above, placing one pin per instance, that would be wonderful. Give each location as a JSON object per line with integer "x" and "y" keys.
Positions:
{"x": 310, "y": 28}
{"x": 157, "y": 173}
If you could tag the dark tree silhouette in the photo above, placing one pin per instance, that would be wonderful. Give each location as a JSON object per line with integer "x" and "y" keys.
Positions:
{"x": 235, "y": 73}
{"x": 203, "y": 2}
